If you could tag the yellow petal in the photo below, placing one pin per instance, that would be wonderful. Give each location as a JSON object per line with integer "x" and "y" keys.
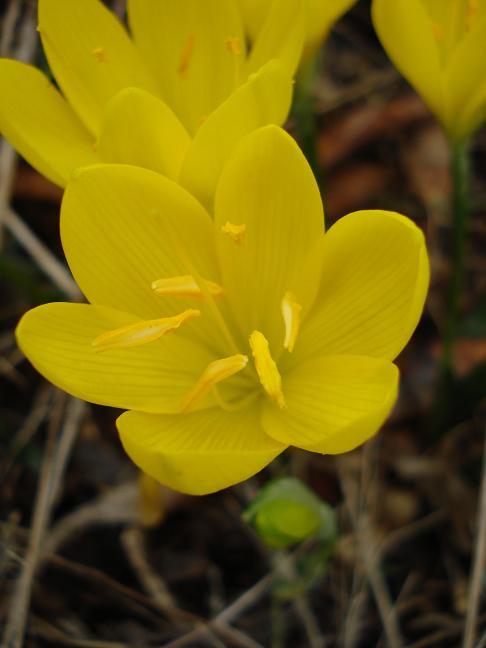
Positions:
{"x": 268, "y": 186}
{"x": 58, "y": 340}
{"x": 39, "y": 123}
{"x": 123, "y": 227}
{"x": 264, "y": 99}
{"x": 466, "y": 82}
{"x": 142, "y": 130}
{"x": 334, "y": 403}
{"x": 280, "y": 37}
{"x": 406, "y": 32}
{"x": 90, "y": 54}
{"x": 186, "y": 46}
{"x": 375, "y": 277}
{"x": 199, "y": 452}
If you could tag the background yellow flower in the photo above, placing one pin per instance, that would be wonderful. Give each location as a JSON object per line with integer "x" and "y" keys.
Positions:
{"x": 193, "y": 87}
{"x": 439, "y": 46}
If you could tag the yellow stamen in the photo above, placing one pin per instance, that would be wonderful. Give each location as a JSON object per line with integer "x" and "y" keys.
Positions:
{"x": 234, "y": 45}
{"x": 437, "y": 31}
{"x": 235, "y": 232}
{"x": 100, "y": 54}
{"x": 186, "y": 54}
{"x": 291, "y": 311}
{"x": 214, "y": 373}
{"x": 472, "y": 12}
{"x": 185, "y": 286}
{"x": 142, "y": 332}
{"x": 267, "y": 370}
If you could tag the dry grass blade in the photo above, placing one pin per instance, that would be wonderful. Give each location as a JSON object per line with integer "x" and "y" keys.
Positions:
{"x": 25, "y": 52}
{"x": 370, "y": 554}
{"x": 475, "y": 586}
{"x": 46, "y": 261}
{"x": 53, "y": 466}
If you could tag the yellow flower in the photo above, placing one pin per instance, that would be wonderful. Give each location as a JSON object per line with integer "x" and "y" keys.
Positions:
{"x": 174, "y": 99}
{"x": 320, "y": 17}
{"x": 220, "y": 394}
{"x": 439, "y": 47}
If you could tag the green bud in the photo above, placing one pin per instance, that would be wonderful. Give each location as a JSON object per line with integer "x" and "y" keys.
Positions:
{"x": 286, "y": 512}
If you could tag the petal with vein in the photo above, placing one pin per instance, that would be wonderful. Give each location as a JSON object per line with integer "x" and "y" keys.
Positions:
{"x": 280, "y": 37}
{"x": 199, "y": 452}
{"x": 58, "y": 340}
{"x": 90, "y": 54}
{"x": 124, "y": 227}
{"x": 141, "y": 130}
{"x": 375, "y": 277}
{"x": 465, "y": 79}
{"x": 334, "y": 403}
{"x": 39, "y": 123}
{"x": 401, "y": 25}
{"x": 264, "y": 99}
{"x": 187, "y": 46}
{"x": 268, "y": 186}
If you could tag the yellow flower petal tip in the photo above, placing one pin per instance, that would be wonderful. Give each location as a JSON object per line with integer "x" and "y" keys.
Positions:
{"x": 291, "y": 311}
{"x": 266, "y": 368}
{"x": 185, "y": 286}
{"x": 236, "y": 232}
{"x": 142, "y": 332}
{"x": 214, "y": 373}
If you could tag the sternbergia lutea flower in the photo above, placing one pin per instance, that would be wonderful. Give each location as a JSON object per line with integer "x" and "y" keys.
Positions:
{"x": 229, "y": 340}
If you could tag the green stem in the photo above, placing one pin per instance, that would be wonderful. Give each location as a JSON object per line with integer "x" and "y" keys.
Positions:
{"x": 305, "y": 115}
{"x": 460, "y": 216}
{"x": 441, "y": 409}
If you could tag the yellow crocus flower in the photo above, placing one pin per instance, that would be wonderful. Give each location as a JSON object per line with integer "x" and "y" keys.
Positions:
{"x": 283, "y": 337}
{"x": 439, "y": 47}
{"x": 174, "y": 97}
{"x": 320, "y": 17}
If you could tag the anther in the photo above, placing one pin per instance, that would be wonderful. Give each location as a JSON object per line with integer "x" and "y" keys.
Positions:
{"x": 100, "y": 54}
{"x": 142, "y": 332}
{"x": 186, "y": 287}
{"x": 266, "y": 368}
{"x": 234, "y": 45}
{"x": 214, "y": 373}
{"x": 437, "y": 32}
{"x": 235, "y": 232}
{"x": 186, "y": 54}
{"x": 291, "y": 311}
{"x": 472, "y": 11}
